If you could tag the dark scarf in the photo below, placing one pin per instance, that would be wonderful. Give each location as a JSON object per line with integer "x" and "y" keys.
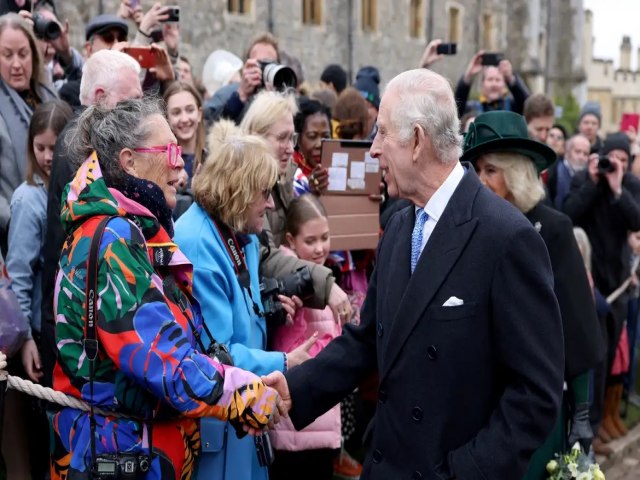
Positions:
{"x": 149, "y": 195}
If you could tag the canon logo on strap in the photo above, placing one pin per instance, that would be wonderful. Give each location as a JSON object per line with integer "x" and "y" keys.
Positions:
{"x": 234, "y": 251}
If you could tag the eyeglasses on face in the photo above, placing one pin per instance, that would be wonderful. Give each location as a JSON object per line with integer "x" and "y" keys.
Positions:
{"x": 112, "y": 36}
{"x": 287, "y": 138}
{"x": 173, "y": 151}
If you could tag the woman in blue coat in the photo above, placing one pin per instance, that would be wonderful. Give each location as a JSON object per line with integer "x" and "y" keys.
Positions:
{"x": 218, "y": 234}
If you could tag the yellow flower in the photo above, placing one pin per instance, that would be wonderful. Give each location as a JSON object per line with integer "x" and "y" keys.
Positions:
{"x": 598, "y": 475}
{"x": 552, "y": 466}
{"x": 573, "y": 468}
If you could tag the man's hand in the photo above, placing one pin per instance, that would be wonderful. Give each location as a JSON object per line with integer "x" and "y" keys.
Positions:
{"x": 277, "y": 381}
{"x": 61, "y": 44}
{"x": 301, "y": 354}
{"x": 126, "y": 12}
{"x": 291, "y": 305}
{"x": 430, "y": 54}
{"x": 614, "y": 178}
{"x": 339, "y": 304}
{"x": 592, "y": 168}
{"x": 154, "y": 16}
{"x": 506, "y": 69}
{"x": 474, "y": 67}
{"x": 251, "y": 79}
{"x": 163, "y": 69}
{"x": 31, "y": 360}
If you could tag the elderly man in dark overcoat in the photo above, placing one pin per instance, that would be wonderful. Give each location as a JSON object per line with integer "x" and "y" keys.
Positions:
{"x": 460, "y": 319}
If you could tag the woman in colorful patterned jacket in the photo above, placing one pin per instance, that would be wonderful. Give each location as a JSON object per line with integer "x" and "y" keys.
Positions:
{"x": 149, "y": 371}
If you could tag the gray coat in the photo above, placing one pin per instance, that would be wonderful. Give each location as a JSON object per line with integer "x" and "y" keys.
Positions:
{"x": 15, "y": 116}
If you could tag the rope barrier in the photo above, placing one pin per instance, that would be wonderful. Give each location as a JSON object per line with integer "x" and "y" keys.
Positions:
{"x": 45, "y": 393}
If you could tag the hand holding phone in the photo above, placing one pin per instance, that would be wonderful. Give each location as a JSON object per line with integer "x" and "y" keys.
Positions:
{"x": 144, "y": 56}
{"x": 173, "y": 12}
{"x": 491, "y": 59}
{"x": 447, "y": 49}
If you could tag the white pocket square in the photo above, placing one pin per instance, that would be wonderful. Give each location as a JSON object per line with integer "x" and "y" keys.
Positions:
{"x": 453, "y": 302}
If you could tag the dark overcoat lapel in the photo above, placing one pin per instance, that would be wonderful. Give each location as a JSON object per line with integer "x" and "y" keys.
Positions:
{"x": 446, "y": 243}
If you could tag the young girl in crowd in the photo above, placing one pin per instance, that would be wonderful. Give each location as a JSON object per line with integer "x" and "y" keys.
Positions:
{"x": 310, "y": 452}
{"x": 184, "y": 113}
{"x": 27, "y": 233}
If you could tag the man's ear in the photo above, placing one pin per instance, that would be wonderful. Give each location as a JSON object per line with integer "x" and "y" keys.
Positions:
{"x": 127, "y": 162}
{"x": 88, "y": 50}
{"x": 419, "y": 142}
{"x": 99, "y": 96}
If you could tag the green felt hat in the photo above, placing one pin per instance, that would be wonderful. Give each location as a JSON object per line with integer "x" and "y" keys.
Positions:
{"x": 504, "y": 131}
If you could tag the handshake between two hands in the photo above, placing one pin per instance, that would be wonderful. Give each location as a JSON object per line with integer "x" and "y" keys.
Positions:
{"x": 276, "y": 381}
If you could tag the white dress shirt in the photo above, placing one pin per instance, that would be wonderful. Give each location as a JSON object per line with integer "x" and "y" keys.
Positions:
{"x": 439, "y": 200}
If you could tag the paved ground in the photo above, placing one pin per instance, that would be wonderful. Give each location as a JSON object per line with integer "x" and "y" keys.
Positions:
{"x": 625, "y": 462}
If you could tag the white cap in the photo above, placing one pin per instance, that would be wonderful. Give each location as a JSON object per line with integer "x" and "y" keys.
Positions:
{"x": 219, "y": 69}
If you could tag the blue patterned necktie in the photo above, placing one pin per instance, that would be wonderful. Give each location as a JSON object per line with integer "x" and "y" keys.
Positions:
{"x": 416, "y": 237}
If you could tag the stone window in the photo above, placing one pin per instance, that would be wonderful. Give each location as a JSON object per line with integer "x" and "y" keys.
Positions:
{"x": 416, "y": 15}
{"x": 488, "y": 33}
{"x": 369, "y": 15}
{"x": 242, "y": 7}
{"x": 312, "y": 12}
{"x": 455, "y": 24}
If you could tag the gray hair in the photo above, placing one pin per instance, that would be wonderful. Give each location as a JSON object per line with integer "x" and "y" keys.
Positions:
{"x": 108, "y": 130}
{"x": 572, "y": 138}
{"x": 103, "y": 69}
{"x": 520, "y": 177}
{"x": 425, "y": 99}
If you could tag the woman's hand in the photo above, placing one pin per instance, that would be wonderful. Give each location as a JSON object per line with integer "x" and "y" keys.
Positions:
{"x": 339, "y": 304}
{"x": 291, "y": 305}
{"x": 163, "y": 69}
{"x": 430, "y": 54}
{"x": 31, "y": 360}
{"x": 319, "y": 180}
{"x": 301, "y": 353}
{"x": 154, "y": 16}
{"x": 474, "y": 68}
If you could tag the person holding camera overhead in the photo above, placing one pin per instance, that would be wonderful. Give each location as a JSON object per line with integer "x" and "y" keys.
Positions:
{"x": 218, "y": 233}
{"x": 604, "y": 200}
{"x": 497, "y": 76}
{"x": 22, "y": 89}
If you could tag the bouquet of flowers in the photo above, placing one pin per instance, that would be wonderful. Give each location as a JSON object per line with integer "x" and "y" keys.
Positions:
{"x": 574, "y": 465}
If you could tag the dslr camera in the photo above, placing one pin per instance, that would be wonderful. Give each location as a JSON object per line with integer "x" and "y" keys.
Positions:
{"x": 121, "y": 466}
{"x": 45, "y": 29}
{"x": 298, "y": 283}
{"x": 280, "y": 77}
{"x": 605, "y": 166}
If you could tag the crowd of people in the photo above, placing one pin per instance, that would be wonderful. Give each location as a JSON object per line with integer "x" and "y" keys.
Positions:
{"x": 145, "y": 212}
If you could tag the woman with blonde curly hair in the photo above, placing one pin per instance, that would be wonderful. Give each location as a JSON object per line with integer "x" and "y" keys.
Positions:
{"x": 508, "y": 163}
{"x": 218, "y": 233}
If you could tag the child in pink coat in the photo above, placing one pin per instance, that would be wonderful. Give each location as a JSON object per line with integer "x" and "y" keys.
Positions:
{"x": 308, "y": 453}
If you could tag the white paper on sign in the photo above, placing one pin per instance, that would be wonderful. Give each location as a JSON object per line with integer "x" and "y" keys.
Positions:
{"x": 372, "y": 165}
{"x": 357, "y": 170}
{"x": 356, "y": 183}
{"x": 340, "y": 159}
{"x": 337, "y": 179}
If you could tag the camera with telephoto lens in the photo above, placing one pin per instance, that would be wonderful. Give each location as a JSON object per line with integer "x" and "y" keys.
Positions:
{"x": 605, "y": 166}
{"x": 280, "y": 77}
{"x": 298, "y": 283}
{"x": 121, "y": 466}
{"x": 44, "y": 28}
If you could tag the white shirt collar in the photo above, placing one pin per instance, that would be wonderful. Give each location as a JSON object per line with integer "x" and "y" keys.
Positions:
{"x": 438, "y": 201}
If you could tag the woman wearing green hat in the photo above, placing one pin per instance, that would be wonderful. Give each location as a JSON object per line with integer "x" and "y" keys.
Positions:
{"x": 509, "y": 163}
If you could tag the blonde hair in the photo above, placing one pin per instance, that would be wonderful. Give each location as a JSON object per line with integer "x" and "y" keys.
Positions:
{"x": 520, "y": 176}
{"x": 237, "y": 169}
{"x": 266, "y": 109}
{"x": 584, "y": 245}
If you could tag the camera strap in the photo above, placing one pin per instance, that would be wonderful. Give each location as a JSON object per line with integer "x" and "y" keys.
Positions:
{"x": 90, "y": 340}
{"x": 237, "y": 258}
{"x": 91, "y": 316}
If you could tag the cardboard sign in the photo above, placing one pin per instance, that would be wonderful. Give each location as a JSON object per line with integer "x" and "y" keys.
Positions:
{"x": 354, "y": 219}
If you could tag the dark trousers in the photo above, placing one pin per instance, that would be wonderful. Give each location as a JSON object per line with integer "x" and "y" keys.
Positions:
{"x": 308, "y": 464}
